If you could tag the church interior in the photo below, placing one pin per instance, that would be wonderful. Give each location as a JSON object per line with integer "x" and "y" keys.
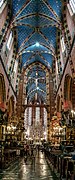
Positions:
{"x": 37, "y": 81}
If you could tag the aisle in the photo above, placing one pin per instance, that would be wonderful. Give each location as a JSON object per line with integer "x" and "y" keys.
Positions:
{"x": 37, "y": 169}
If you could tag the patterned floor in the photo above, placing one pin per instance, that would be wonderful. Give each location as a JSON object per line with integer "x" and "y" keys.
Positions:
{"x": 33, "y": 169}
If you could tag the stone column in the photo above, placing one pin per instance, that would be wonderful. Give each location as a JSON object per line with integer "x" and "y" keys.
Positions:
{"x": 48, "y": 103}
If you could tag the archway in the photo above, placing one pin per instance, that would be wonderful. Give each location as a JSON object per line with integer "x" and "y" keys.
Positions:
{"x": 32, "y": 92}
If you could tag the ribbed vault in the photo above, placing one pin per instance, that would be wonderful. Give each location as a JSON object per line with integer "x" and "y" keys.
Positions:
{"x": 36, "y": 23}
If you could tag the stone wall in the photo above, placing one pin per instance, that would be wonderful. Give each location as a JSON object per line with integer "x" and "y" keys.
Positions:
{"x": 3, "y": 16}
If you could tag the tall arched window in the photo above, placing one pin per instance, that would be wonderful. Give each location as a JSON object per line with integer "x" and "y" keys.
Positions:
{"x": 10, "y": 40}
{"x": 63, "y": 44}
{"x": 72, "y": 5}
{"x": 1, "y": 3}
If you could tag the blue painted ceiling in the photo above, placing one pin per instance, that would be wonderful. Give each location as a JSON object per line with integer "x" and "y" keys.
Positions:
{"x": 36, "y": 23}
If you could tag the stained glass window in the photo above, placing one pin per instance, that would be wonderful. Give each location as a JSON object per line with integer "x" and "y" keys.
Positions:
{"x": 37, "y": 114}
{"x": 26, "y": 118}
{"x": 62, "y": 44}
{"x": 1, "y": 3}
{"x": 45, "y": 117}
{"x": 72, "y": 5}
{"x": 9, "y": 42}
{"x": 30, "y": 116}
{"x": 15, "y": 66}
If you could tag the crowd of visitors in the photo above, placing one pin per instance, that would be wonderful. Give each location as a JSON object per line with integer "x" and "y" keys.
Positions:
{"x": 30, "y": 150}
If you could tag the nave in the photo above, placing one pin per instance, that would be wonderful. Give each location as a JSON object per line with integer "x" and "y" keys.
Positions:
{"x": 32, "y": 169}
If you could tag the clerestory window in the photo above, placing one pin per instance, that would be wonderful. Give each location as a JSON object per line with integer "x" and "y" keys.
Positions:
{"x": 1, "y": 3}
{"x": 63, "y": 44}
{"x": 9, "y": 42}
{"x": 72, "y": 5}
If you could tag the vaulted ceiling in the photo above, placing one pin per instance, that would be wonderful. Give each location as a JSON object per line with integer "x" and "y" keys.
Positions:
{"x": 36, "y": 23}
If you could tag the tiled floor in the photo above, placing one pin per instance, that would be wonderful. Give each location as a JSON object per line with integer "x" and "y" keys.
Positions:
{"x": 37, "y": 169}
